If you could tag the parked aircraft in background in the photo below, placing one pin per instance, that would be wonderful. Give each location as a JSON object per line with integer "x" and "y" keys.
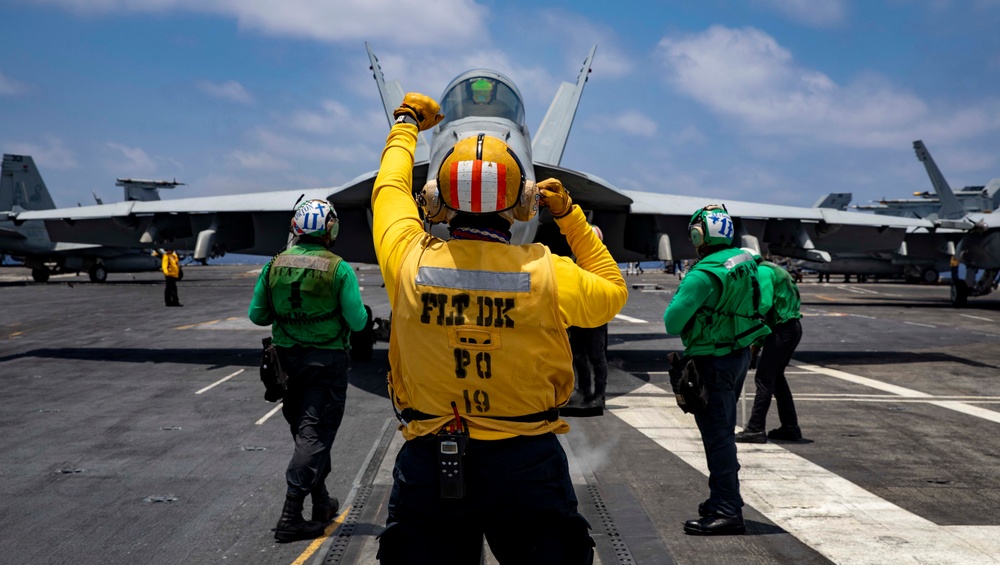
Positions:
{"x": 979, "y": 246}
{"x": 637, "y": 226}
{"x": 21, "y": 189}
{"x": 924, "y": 253}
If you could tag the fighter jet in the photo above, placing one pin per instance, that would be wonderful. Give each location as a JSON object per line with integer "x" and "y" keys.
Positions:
{"x": 637, "y": 225}
{"x": 979, "y": 246}
{"x": 923, "y": 255}
{"x": 21, "y": 189}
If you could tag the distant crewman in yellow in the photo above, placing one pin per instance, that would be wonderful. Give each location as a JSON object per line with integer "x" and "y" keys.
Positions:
{"x": 479, "y": 357}
{"x": 171, "y": 267}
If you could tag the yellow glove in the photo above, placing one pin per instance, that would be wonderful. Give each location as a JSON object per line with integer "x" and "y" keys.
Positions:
{"x": 423, "y": 109}
{"x": 555, "y": 197}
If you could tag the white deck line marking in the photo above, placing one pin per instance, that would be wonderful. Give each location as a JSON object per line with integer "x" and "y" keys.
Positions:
{"x": 976, "y": 317}
{"x": 906, "y": 392}
{"x": 916, "y": 324}
{"x": 835, "y": 517}
{"x": 857, "y": 379}
{"x": 220, "y": 381}
{"x": 269, "y": 414}
{"x": 863, "y": 316}
{"x": 630, "y": 319}
{"x": 895, "y": 400}
{"x": 857, "y": 290}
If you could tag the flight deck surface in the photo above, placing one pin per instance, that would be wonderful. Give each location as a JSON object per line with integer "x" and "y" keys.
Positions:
{"x": 136, "y": 433}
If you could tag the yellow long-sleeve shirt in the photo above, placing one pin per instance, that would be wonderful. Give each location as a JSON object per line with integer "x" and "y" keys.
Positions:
{"x": 170, "y": 264}
{"x": 588, "y": 292}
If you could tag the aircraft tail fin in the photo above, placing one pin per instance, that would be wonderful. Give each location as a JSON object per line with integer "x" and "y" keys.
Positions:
{"x": 951, "y": 208}
{"x": 392, "y": 96}
{"x": 550, "y": 140}
{"x": 992, "y": 193}
{"x": 834, "y": 200}
{"x": 21, "y": 185}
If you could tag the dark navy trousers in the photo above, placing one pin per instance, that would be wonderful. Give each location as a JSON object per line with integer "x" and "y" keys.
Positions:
{"x": 313, "y": 407}
{"x": 717, "y": 424}
{"x": 770, "y": 376}
{"x": 519, "y": 495}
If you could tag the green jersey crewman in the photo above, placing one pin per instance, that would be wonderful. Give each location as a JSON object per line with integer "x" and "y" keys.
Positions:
{"x": 311, "y": 299}
{"x": 716, "y": 313}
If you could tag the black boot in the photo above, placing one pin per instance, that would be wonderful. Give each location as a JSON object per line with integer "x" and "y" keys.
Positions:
{"x": 291, "y": 526}
{"x": 325, "y": 507}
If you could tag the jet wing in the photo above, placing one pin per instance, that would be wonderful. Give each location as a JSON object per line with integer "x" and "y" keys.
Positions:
{"x": 254, "y": 223}
{"x": 641, "y": 225}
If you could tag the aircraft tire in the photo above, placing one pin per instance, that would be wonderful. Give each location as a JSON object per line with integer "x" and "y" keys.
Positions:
{"x": 40, "y": 274}
{"x": 959, "y": 294}
{"x": 98, "y": 273}
{"x": 930, "y": 276}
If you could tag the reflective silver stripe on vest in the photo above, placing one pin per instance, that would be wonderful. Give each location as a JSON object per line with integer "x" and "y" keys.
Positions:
{"x": 737, "y": 259}
{"x": 474, "y": 280}
{"x": 303, "y": 262}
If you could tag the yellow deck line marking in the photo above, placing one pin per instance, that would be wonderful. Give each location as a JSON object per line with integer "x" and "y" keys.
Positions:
{"x": 307, "y": 553}
{"x": 189, "y": 326}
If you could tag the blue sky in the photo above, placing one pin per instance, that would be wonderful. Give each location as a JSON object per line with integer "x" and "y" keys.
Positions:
{"x": 778, "y": 101}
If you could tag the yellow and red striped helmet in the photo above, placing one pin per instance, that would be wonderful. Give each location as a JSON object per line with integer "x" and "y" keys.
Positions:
{"x": 480, "y": 175}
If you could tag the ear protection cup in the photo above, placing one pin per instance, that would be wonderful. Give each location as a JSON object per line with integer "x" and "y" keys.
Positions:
{"x": 333, "y": 227}
{"x": 697, "y": 235}
{"x": 527, "y": 204}
{"x": 429, "y": 199}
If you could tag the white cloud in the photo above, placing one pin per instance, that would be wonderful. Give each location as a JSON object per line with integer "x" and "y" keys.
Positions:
{"x": 11, "y": 87}
{"x": 136, "y": 160}
{"x": 630, "y": 122}
{"x": 747, "y": 77}
{"x": 819, "y": 13}
{"x": 260, "y": 161}
{"x": 689, "y": 135}
{"x": 289, "y": 146}
{"x": 412, "y": 22}
{"x": 582, "y": 34}
{"x": 53, "y": 153}
{"x": 229, "y": 90}
{"x": 333, "y": 116}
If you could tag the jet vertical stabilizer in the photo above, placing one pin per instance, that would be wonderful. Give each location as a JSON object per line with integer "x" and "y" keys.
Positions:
{"x": 392, "y": 96}
{"x": 550, "y": 140}
{"x": 951, "y": 208}
{"x": 834, "y": 200}
{"x": 21, "y": 185}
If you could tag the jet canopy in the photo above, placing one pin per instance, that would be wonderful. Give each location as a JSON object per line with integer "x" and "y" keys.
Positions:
{"x": 482, "y": 93}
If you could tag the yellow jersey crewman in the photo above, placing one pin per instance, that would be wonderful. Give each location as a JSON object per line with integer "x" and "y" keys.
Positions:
{"x": 479, "y": 357}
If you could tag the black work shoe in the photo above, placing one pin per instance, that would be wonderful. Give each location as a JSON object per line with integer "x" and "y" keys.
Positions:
{"x": 325, "y": 511}
{"x": 291, "y": 526}
{"x": 751, "y": 436}
{"x": 716, "y": 525}
{"x": 786, "y": 433}
{"x": 297, "y": 531}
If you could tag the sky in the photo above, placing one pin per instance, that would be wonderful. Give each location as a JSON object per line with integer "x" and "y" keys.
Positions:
{"x": 775, "y": 101}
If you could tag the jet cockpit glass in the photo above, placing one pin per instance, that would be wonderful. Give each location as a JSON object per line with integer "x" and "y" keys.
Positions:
{"x": 482, "y": 96}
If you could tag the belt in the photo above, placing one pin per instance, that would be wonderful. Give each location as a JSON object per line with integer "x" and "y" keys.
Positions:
{"x": 410, "y": 415}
